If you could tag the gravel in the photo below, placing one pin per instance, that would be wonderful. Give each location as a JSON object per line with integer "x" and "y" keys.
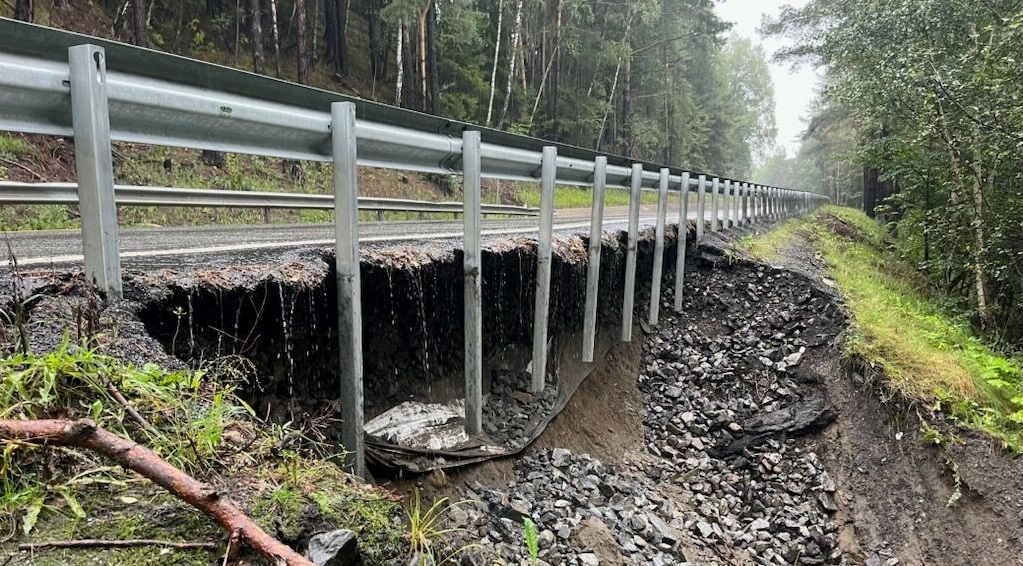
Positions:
{"x": 726, "y": 400}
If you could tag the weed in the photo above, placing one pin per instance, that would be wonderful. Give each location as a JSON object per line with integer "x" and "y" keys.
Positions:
{"x": 426, "y": 531}
{"x": 532, "y": 539}
{"x": 12, "y": 147}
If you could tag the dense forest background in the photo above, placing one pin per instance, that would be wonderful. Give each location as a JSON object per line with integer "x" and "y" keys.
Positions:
{"x": 654, "y": 79}
{"x": 920, "y": 121}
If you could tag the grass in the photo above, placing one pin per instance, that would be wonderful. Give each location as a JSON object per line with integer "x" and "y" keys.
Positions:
{"x": 12, "y": 147}
{"x": 767, "y": 246}
{"x": 927, "y": 354}
{"x": 292, "y": 486}
{"x": 580, "y": 197}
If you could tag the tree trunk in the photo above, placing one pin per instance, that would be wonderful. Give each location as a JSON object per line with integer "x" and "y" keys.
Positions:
{"x": 258, "y": 55}
{"x": 398, "y": 61}
{"x": 421, "y": 59}
{"x": 497, "y": 53}
{"x": 140, "y": 36}
{"x": 979, "y": 238}
{"x": 431, "y": 51}
{"x": 512, "y": 58}
{"x": 341, "y": 64}
{"x": 614, "y": 84}
{"x": 276, "y": 37}
{"x": 303, "y": 41}
{"x": 377, "y": 52}
{"x": 555, "y": 96}
{"x": 87, "y": 435}
{"x": 25, "y": 10}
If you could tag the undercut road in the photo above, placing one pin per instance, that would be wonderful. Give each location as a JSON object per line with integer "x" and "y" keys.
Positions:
{"x": 156, "y": 248}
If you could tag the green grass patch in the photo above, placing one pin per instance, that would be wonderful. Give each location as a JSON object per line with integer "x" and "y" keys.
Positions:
{"x": 12, "y": 147}
{"x": 928, "y": 354}
{"x": 580, "y": 197}
{"x": 767, "y": 246}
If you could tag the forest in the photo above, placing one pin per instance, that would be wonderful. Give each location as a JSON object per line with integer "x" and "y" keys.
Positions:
{"x": 919, "y": 120}
{"x": 659, "y": 80}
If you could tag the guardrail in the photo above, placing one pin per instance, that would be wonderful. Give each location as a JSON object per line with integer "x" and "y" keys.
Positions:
{"x": 61, "y": 83}
{"x": 12, "y": 192}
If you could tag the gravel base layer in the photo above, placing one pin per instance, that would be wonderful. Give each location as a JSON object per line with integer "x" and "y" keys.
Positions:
{"x": 723, "y": 476}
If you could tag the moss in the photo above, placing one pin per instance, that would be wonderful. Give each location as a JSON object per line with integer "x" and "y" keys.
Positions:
{"x": 317, "y": 497}
{"x": 137, "y": 510}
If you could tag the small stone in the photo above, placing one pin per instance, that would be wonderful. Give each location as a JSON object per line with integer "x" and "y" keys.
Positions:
{"x": 560, "y": 457}
{"x": 827, "y": 501}
{"x": 673, "y": 392}
{"x": 589, "y": 559}
{"x": 638, "y": 523}
{"x": 334, "y": 548}
{"x": 522, "y": 397}
{"x": 759, "y": 524}
{"x": 704, "y": 529}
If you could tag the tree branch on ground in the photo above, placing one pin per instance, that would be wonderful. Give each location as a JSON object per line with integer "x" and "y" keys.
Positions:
{"x": 131, "y": 455}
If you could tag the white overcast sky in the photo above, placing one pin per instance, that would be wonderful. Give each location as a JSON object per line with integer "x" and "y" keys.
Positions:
{"x": 793, "y": 90}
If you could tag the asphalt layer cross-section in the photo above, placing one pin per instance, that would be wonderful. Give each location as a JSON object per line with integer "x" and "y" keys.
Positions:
{"x": 156, "y": 248}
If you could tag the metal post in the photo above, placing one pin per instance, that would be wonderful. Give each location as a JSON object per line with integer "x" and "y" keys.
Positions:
{"x": 593, "y": 267}
{"x": 701, "y": 206}
{"x": 349, "y": 295}
{"x": 682, "y": 238}
{"x": 630, "y": 258}
{"x": 541, "y": 301}
{"x": 94, "y": 167}
{"x": 715, "y": 188}
{"x": 729, "y": 203}
{"x": 745, "y": 204}
{"x": 655, "y": 282}
{"x": 473, "y": 283}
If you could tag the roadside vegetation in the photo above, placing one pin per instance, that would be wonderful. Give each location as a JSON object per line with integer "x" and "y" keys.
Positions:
{"x": 193, "y": 419}
{"x": 903, "y": 328}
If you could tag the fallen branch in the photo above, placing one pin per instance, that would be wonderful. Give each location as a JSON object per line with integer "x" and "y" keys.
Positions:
{"x": 86, "y": 434}
{"x": 128, "y": 408}
{"x": 98, "y": 543}
{"x": 16, "y": 164}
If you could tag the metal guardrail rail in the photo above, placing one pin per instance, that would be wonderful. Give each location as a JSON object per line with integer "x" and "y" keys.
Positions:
{"x": 12, "y": 192}
{"x": 60, "y": 83}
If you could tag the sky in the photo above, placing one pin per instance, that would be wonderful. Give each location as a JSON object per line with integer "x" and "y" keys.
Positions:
{"x": 793, "y": 90}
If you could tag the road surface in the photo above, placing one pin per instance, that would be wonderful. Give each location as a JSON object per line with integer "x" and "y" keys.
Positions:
{"x": 154, "y": 248}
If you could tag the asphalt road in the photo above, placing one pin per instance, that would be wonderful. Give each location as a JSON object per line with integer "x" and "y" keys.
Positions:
{"x": 155, "y": 248}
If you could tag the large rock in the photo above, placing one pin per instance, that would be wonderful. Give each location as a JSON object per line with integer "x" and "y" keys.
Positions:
{"x": 334, "y": 548}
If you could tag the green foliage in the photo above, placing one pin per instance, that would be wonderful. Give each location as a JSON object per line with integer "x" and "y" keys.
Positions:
{"x": 927, "y": 94}
{"x": 925, "y": 353}
{"x": 427, "y": 532}
{"x": 531, "y": 536}
{"x": 12, "y": 147}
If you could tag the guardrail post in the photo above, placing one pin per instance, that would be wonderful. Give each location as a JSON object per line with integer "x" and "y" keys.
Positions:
{"x": 541, "y": 301}
{"x": 701, "y": 206}
{"x": 593, "y": 266}
{"x": 655, "y": 282}
{"x": 730, "y": 215}
{"x": 681, "y": 240}
{"x": 630, "y": 258}
{"x": 473, "y": 283}
{"x": 745, "y": 204}
{"x": 349, "y": 294}
{"x": 715, "y": 188}
{"x": 94, "y": 167}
